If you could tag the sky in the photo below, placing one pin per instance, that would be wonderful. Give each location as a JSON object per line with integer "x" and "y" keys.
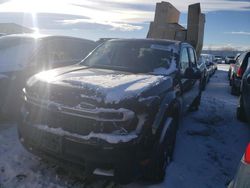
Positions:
{"x": 227, "y": 21}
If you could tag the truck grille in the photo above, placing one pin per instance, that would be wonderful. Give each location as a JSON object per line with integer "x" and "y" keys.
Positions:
{"x": 81, "y": 121}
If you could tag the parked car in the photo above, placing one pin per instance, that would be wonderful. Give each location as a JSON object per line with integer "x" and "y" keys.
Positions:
{"x": 214, "y": 67}
{"x": 117, "y": 112}
{"x": 219, "y": 59}
{"x": 243, "y": 110}
{"x": 242, "y": 177}
{"x": 209, "y": 63}
{"x": 231, "y": 67}
{"x": 238, "y": 71}
{"x": 205, "y": 74}
{"x": 21, "y": 56}
{"x": 209, "y": 57}
{"x": 229, "y": 59}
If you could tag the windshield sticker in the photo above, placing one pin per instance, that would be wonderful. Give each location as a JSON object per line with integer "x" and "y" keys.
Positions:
{"x": 161, "y": 47}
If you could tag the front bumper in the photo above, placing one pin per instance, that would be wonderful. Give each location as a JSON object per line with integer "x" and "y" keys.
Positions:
{"x": 89, "y": 154}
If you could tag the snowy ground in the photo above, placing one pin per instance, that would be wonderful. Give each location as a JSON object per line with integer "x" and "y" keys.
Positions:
{"x": 209, "y": 146}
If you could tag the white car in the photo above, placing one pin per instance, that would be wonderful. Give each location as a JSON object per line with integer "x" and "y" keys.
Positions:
{"x": 24, "y": 55}
{"x": 202, "y": 66}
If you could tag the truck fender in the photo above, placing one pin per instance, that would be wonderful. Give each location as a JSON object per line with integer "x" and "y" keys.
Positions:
{"x": 168, "y": 99}
{"x": 165, "y": 128}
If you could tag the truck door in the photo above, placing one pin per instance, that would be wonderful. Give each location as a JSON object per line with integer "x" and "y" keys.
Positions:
{"x": 195, "y": 90}
{"x": 190, "y": 87}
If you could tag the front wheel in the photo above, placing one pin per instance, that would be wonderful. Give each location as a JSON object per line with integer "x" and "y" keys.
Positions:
{"x": 196, "y": 104}
{"x": 233, "y": 89}
{"x": 228, "y": 74}
{"x": 241, "y": 112}
{"x": 163, "y": 153}
{"x": 204, "y": 83}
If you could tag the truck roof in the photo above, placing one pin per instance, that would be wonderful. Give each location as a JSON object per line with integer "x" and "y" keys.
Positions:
{"x": 152, "y": 40}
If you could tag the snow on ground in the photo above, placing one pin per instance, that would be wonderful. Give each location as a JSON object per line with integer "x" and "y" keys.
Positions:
{"x": 211, "y": 141}
{"x": 209, "y": 146}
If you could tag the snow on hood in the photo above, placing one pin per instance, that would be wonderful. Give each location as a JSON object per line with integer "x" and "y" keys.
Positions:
{"x": 118, "y": 87}
{"x": 112, "y": 86}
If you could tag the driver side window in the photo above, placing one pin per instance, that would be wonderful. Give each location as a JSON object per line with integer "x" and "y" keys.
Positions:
{"x": 192, "y": 57}
{"x": 184, "y": 60}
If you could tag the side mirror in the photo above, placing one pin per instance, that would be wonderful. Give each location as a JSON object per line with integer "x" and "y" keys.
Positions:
{"x": 190, "y": 73}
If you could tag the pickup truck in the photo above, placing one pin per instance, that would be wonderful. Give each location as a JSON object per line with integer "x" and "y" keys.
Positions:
{"x": 116, "y": 113}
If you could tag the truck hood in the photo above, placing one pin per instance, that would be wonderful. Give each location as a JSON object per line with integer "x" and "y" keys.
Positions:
{"x": 102, "y": 85}
{"x": 112, "y": 86}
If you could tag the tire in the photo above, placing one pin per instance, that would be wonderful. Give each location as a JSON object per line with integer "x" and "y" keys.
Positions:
{"x": 162, "y": 154}
{"x": 208, "y": 77}
{"x": 204, "y": 84}
{"x": 240, "y": 113}
{"x": 196, "y": 104}
{"x": 234, "y": 89}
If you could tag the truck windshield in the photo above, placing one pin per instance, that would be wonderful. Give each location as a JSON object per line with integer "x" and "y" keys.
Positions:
{"x": 134, "y": 56}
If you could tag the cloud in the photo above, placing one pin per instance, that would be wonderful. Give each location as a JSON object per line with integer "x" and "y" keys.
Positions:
{"x": 43, "y": 20}
{"x": 102, "y": 5}
{"x": 113, "y": 26}
{"x": 119, "y": 15}
{"x": 238, "y": 33}
{"x": 65, "y": 22}
{"x": 126, "y": 16}
{"x": 236, "y": 47}
{"x": 149, "y": 5}
{"x": 3, "y": 1}
{"x": 116, "y": 11}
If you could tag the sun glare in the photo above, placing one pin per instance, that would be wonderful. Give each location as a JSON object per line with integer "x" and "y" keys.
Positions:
{"x": 47, "y": 76}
